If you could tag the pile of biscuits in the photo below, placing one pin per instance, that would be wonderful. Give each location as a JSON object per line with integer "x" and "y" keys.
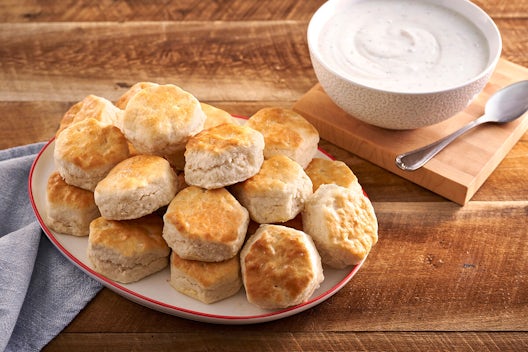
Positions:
{"x": 159, "y": 179}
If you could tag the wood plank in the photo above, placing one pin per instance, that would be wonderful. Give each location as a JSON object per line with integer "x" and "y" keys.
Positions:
{"x": 448, "y": 174}
{"x": 433, "y": 269}
{"x": 262, "y": 60}
{"x": 444, "y": 269}
{"x": 503, "y": 8}
{"x": 216, "y": 61}
{"x": 510, "y": 178}
{"x": 514, "y": 32}
{"x": 239, "y": 340}
{"x": 157, "y": 10}
{"x": 160, "y": 10}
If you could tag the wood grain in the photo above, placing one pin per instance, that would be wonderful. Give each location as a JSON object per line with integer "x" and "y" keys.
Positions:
{"x": 214, "y": 61}
{"x": 157, "y": 10}
{"x": 443, "y": 271}
{"x": 442, "y": 277}
{"x": 302, "y": 341}
{"x": 193, "y": 10}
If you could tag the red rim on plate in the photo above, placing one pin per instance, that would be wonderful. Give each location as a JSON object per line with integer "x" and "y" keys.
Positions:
{"x": 174, "y": 309}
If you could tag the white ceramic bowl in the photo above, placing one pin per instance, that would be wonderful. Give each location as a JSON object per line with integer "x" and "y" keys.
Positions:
{"x": 394, "y": 108}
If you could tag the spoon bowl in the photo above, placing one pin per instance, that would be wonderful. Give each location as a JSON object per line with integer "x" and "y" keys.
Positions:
{"x": 506, "y": 105}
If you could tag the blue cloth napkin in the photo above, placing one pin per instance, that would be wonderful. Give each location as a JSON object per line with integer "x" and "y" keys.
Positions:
{"x": 40, "y": 290}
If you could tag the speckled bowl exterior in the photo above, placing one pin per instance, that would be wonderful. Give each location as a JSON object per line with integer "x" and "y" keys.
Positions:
{"x": 396, "y": 110}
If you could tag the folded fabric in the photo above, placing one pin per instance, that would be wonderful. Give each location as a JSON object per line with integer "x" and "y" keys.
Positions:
{"x": 40, "y": 290}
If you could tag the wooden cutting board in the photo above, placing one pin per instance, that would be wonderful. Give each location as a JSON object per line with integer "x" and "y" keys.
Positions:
{"x": 458, "y": 171}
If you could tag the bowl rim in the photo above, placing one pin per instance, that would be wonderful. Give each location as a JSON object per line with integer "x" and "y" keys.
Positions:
{"x": 313, "y": 38}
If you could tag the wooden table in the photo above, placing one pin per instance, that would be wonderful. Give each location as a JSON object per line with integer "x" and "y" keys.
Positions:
{"x": 442, "y": 276}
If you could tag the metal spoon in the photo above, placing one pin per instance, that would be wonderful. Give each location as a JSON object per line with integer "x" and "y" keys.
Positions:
{"x": 506, "y": 105}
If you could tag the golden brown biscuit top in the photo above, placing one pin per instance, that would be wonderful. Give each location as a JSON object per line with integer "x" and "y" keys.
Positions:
{"x": 211, "y": 215}
{"x": 216, "y": 116}
{"x": 135, "y": 172}
{"x": 98, "y": 108}
{"x": 130, "y": 238}
{"x": 136, "y": 88}
{"x": 276, "y": 174}
{"x": 352, "y": 222}
{"x": 208, "y": 274}
{"x": 218, "y": 139}
{"x": 91, "y": 106}
{"x": 91, "y": 144}
{"x": 282, "y": 128}
{"x": 324, "y": 171}
{"x": 69, "y": 116}
{"x": 278, "y": 265}
{"x": 160, "y": 108}
{"x": 60, "y": 193}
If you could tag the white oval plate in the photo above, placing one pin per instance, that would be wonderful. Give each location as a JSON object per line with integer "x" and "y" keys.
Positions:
{"x": 154, "y": 291}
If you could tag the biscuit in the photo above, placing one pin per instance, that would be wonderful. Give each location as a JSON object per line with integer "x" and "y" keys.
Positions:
{"x": 205, "y": 225}
{"x": 69, "y": 116}
{"x": 129, "y": 250}
{"x": 94, "y": 107}
{"x": 86, "y": 151}
{"x": 216, "y": 116}
{"x": 280, "y": 267}
{"x": 342, "y": 224}
{"x": 160, "y": 119}
{"x": 223, "y": 155}
{"x": 286, "y": 132}
{"x": 205, "y": 281}
{"x": 136, "y": 187}
{"x": 69, "y": 209}
{"x": 324, "y": 171}
{"x": 123, "y": 100}
{"x": 277, "y": 192}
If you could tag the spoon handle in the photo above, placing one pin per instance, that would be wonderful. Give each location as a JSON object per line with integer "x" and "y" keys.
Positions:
{"x": 415, "y": 159}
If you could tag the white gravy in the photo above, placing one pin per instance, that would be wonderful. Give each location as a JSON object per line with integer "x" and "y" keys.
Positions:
{"x": 406, "y": 45}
